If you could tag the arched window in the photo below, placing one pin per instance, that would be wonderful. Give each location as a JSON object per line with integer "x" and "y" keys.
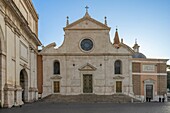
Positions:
{"x": 56, "y": 67}
{"x": 118, "y": 67}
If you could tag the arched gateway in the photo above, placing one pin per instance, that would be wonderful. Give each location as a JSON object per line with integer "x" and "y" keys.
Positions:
{"x": 24, "y": 84}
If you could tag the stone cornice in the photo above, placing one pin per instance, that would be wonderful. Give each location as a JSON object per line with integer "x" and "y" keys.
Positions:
{"x": 149, "y": 60}
{"x": 162, "y": 74}
{"x": 85, "y": 29}
{"x": 24, "y": 23}
{"x": 83, "y": 54}
{"x": 104, "y": 27}
{"x": 9, "y": 22}
{"x": 33, "y": 89}
{"x": 32, "y": 9}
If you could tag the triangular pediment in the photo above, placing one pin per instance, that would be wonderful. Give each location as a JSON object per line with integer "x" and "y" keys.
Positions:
{"x": 86, "y": 23}
{"x": 87, "y": 67}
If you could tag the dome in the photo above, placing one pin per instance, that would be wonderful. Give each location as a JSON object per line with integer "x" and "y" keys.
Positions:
{"x": 138, "y": 55}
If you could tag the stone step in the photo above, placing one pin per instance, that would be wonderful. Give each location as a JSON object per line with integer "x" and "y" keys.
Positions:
{"x": 89, "y": 98}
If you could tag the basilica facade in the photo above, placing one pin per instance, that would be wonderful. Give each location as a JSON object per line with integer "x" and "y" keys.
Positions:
{"x": 18, "y": 52}
{"x": 86, "y": 63}
{"x": 89, "y": 63}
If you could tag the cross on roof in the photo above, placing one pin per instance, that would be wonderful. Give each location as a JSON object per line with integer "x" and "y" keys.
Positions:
{"x": 87, "y": 8}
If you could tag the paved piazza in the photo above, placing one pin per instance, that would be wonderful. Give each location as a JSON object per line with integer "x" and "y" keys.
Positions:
{"x": 44, "y": 107}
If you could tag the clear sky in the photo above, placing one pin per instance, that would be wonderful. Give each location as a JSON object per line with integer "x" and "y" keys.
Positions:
{"x": 148, "y": 21}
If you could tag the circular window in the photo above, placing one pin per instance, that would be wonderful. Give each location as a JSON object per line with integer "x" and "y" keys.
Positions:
{"x": 86, "y": 44}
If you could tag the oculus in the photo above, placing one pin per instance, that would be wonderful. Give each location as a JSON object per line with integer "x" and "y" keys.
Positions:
{"x": 86, "y": 44}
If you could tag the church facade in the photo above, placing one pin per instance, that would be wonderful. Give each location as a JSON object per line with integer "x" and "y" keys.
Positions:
{"x": 89, "y": 63}
{"x": 18, "y": 52}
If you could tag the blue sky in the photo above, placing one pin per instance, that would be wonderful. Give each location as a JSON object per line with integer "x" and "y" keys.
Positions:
{"x": 148, "y": 21}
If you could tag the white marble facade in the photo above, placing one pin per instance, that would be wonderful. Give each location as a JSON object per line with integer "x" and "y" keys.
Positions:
{"x": 76, "y": 59}
{"x": 18, "y": 52}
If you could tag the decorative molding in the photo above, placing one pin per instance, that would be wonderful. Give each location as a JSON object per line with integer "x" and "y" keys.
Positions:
{"x": 118, "y": 77}
{"x": 56, "y": 77}
{"x": 17, "y": 31}
{"x": 104, "y": 27}
{"x": 9, "y": 22}
{"x": 83, "y": 54}
{"x": 149, "y": 81}
{"x": 33, "y": 89}
{"x": 18, "y": 88}
{"x": 149, "y": 74}
{"x": 24, "y": 23}
{"x": 9, "y": 87}
{"x": 87, "y": 67}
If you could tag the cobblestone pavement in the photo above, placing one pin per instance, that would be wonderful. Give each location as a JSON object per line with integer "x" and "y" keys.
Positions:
{"x": 49, "y": 107}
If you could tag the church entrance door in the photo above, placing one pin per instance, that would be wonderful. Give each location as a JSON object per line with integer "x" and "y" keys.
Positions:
{"x": 87, "y": 83}
{"x": 149, "y": 92}
{"x": 118, "y": 86}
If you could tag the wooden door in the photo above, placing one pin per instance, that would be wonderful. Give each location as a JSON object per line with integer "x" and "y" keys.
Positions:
{"x": 118, "y": 86}
{"x": 87, "y": 83}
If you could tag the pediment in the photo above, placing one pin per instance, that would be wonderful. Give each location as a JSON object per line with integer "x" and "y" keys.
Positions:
{"x": 118, "y": 77}
{"x": 149, "y": 81}
{"x": 87, "y": 23}
{"x": 87, "y": 67}
{"x": 48, "y": 47}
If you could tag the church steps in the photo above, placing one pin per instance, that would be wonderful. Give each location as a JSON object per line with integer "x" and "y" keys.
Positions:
{"x": 90, "y": 98}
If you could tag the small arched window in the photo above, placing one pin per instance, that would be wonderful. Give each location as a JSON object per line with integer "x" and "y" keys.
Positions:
{"x": 56, "y": 67}
{"x": 118, "y": 67}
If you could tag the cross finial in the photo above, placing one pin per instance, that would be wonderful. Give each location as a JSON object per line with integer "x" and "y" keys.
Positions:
{"x": 135, "y": 40}
{"x": 67, "y": 23}
{"x": 116, "y": 28}
{"x": 105, "y": 20}
{"x": 87, "y": 8}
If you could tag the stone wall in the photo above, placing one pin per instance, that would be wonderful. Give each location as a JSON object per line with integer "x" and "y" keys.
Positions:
{"x": 19, "y": 51}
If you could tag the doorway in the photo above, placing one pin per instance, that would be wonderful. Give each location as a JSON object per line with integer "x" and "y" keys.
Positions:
{"x": 87, "y": 83}
{"x": 24, "y": 84}
{"x": 118, "y": 86}
{"x": 149, "y": 92}
{"x": 56, "y": 87}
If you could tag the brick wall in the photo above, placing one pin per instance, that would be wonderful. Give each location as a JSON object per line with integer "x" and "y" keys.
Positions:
{"x": 136, "y": 85}
{"x": 39, "y": 74}
{"x": 162, "y": 84}
{"x": 161, "y": 68}
{"x": 136, "y": 67}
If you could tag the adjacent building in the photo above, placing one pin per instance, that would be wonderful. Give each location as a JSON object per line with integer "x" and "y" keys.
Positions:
{"x": 18, "y": 52}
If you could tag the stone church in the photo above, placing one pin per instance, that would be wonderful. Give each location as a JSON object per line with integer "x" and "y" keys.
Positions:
{"x": 89, "y": 63}
{"x": 18, "y": 52}
{"x": 86, "y": 63}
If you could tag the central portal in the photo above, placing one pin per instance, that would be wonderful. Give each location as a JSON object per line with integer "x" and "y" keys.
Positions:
{"x": 87, "y": 83}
